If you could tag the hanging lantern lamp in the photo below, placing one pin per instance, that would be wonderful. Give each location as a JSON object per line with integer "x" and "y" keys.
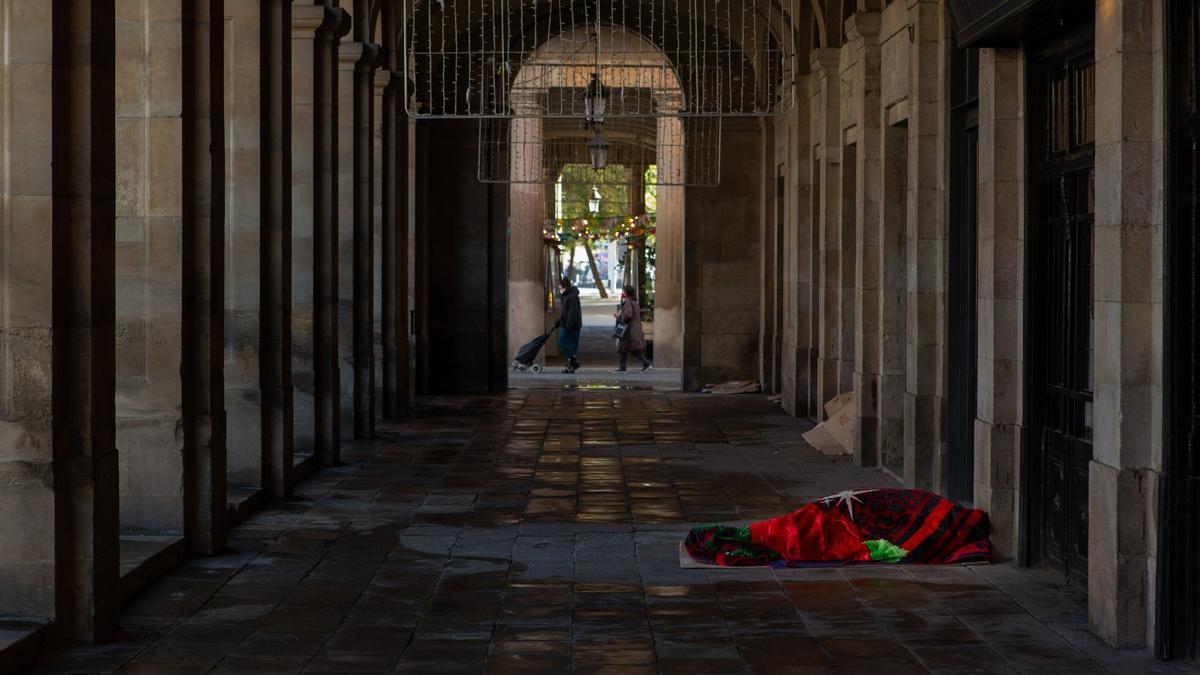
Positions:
{"x": 598, "y": 148}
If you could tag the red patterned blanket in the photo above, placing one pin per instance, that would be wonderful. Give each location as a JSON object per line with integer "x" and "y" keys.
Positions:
{"x": 857, "y": 526}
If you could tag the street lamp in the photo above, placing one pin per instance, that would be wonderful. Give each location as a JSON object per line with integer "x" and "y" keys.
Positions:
{"x": 594, "y": 201}
{"x": 598, "y": 148}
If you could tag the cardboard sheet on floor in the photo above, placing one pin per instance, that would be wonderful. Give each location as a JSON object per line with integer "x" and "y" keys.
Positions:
{"x": 835, "y": 436}
{"x": 734, "y": 387}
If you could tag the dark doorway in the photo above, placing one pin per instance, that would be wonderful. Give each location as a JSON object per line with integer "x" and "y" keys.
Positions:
{"x": 963, "y": 291}
{"x": 1058, "y": 340}
{"x": 461, "y": 283}
{"x": 1179, "y": 542}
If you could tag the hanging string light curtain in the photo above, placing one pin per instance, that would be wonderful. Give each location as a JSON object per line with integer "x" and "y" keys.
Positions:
{"x": 566, "y": 230}
{"x": 686, "y": 151}
{"x": 541, "y": 58}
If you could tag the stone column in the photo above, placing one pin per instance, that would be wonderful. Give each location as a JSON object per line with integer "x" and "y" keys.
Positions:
{"x": 149, "y": 210}
{"x": 406, "y": 252}
{"x": 392, "y": 142}
{"x": 798, "y": 256}
{"x": 877, "y": 257}
{"x": 769, "y": 254}
{"x": 669, "y": 223}
{"x": 204, "y": 465}
{"x": 826, "y": 77}
{"x": 243, "y": 253}
{"x": 1128, "y": 282}
{"x": 721, "y": 265}
{"x": 357, "y": 230}
{"x": 308, "y": 17}
{"x": 890, "y": 269}
{"x": 327, "y": 380}
{"x": 379, "y": 195}
{"x": 58, "y": 507}
{"x": 82, "y": 365}
{"x": 924, "y": 398}
{"x": 275, "y": 352}
{"x": 349, "y": 54}
{"x": 526, "y": 209}
{"x": 1000, "y": 242}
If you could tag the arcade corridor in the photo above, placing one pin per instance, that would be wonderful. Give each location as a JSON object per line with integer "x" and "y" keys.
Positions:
{"x": 267, "y": 269}
{"x": 538, "y": 532}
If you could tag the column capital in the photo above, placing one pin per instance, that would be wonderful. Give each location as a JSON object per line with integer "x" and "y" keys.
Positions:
{"x": 359, "y": 55}
{"x": 862, "y": 30}
{"x": 306, "y": 20}
{"x": 824, "y": 61}
{"x": 350, "y": 53}
{"x": 319, "y": 20}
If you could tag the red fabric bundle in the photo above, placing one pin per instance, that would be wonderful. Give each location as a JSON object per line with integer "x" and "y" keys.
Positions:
{"x": 812, "y": 534}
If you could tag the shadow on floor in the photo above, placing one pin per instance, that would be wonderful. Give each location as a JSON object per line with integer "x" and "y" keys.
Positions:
{"x": 538, "y": 532}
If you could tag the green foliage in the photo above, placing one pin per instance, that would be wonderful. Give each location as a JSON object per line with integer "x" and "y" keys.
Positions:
{"x": 577, "y": 189}
{"x": 651, "y": 252}
{"x": 651, "y": 184}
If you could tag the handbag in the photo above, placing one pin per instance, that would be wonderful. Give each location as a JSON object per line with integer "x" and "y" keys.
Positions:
{"x": 620, "y": 329}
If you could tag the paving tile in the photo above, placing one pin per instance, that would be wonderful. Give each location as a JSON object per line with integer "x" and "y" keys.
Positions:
{"x": 538, "y": 532}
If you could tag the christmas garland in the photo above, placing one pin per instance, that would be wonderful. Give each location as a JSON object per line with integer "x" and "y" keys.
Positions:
{"x": 561, "y": 231}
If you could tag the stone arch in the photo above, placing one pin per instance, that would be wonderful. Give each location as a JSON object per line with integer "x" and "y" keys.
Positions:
{"x": 822, "y": 32}
{"x": 528, "y": 200}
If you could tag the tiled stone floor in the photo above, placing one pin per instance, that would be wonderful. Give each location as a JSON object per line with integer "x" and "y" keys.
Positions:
{"x": 538, "y": 533}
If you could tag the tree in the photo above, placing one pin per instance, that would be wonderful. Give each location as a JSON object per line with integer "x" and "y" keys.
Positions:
{"x": 577, "y": 181}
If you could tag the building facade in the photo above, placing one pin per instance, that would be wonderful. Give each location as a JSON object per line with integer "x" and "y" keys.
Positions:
{"x": 986, "y": 235}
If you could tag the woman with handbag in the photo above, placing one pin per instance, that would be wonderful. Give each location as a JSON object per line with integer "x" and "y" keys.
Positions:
{"x": 631, "y": 339}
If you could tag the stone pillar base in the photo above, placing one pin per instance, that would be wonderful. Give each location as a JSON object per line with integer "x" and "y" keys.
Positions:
{"x": 668, "y": 337}
{"x": 1119, "y": 563}
{"x": 526, "y": 315}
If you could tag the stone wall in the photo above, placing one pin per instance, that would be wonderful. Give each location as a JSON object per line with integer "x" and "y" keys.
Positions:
{"x": 461, "y": 271}
{"x": 721, "y": 265}
{"x": 874, "y": 203}
{"x": 27, "y": 497}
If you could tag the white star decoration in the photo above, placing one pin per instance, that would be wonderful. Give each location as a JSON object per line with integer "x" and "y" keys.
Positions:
{"x": 846, "y": 498}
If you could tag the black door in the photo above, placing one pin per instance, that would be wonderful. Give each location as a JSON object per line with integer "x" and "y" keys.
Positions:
{"x": 1059, "y": 298}
{"x": 1179, "y": 542}
{"x": 963, "y": 289}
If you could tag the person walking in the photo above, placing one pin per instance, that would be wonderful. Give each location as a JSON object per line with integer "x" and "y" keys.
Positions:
{"x": 569, "y": 324}
{"x": 631, "y": 339}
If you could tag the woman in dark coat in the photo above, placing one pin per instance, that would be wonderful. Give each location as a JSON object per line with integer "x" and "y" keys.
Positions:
{"x": 634, "y": 340}
{"x": 569, "y": 324}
